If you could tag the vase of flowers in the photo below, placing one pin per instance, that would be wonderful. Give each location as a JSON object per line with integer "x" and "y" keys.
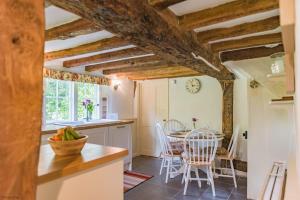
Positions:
{"x": 194, "y": 120}
{"x": 89, "y": 107}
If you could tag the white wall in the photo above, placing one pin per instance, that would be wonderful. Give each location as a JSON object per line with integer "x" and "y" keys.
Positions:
{"x": 270, "y": 130}
{"x": 121, "y": 101}
{"x": 240, "y": 114}
{"x": 206, "y": 105}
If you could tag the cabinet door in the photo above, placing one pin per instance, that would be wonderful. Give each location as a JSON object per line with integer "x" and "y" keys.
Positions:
{"x": 96, "y": 135}
{"x": 120, "y": 136}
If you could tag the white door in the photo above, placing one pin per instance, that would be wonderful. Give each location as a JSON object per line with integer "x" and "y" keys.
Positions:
{"x": 153, "y": 108}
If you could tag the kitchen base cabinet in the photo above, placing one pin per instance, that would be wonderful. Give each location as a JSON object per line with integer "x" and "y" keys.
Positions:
{"x": 121, "y": 136}
{"x": 97, "y": 135}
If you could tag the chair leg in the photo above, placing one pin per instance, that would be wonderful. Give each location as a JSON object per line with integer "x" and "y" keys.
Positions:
{"x": 184, "y": 173}
{"x": 168, "y": 170}
{"x": 197, "y": 175}
{"x": 162, "y": 165}
{"x": 187, "y": 177}
{"x": 207, "y": 173}
{"x": 212, "y": 181}
{"x": 233, "y": 173}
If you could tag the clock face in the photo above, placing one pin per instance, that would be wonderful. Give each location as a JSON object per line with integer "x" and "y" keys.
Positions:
{"x": 193, "y": 85}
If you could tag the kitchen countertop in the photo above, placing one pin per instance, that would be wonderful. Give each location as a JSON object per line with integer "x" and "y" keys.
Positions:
{"x": 49, "y": 129}
{"x": 52, "y": 167}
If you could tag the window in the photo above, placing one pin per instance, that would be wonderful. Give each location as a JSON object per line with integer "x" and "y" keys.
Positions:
{"x": 87, "y": 91}
{"x": 57, "y": 100}
{"x": 63, "y": 100}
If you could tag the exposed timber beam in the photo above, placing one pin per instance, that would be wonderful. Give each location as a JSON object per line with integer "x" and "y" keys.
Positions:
{"x": 247, "y": 42}
{"x": 239, "y": 30}
{"x": 163, "y": 4}
{"x": 124, "y": 63}
{"x": 71, "y": 29}
{"x": 105, "y": 57}
{"x": 47, "y": 4}
{"x": 256, "y": 52}
{"x": 105, "y": 44}
{"x": 165, "y": 72}
{"x": 138, "y": 68}
{"x": 139, "y": 23}
{"x": 22, "y": 26}
{"x": 225, "y": 12}
{"x": 161, "y": 76}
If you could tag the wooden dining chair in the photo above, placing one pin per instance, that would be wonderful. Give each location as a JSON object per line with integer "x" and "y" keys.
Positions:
{"x": 228, "y": 155}
{"x": 169, "y": 154}
{"x": 200, "y": 148}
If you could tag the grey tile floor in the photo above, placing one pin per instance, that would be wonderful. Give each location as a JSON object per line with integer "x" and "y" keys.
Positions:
{"x": 157, "y": 189}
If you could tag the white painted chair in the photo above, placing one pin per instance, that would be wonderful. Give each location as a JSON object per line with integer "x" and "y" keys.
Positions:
{"x": 229, "y": 155}
{"x": 200, "y": 148}
{"x": 173, "y": 125}
{"x": 169, "y": 154}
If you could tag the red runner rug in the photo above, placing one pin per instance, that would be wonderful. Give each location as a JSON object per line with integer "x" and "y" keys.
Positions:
{"x": 133, "y": 179}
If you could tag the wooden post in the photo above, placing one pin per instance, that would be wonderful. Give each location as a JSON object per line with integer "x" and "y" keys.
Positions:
{"x": 21, "y": 61}
{"x": 227, "y": 113}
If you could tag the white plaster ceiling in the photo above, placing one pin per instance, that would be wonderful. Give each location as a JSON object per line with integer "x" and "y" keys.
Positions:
{"x": 258, "y": 69}
{"x": 190, "y": 6}
{"x": 56, "y": 16}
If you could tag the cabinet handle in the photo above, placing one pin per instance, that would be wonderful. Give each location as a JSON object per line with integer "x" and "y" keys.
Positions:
{"x": 120, "y": 126}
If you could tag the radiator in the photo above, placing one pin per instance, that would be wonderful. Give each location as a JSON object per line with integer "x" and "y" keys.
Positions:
{"x": 275, "y": 183}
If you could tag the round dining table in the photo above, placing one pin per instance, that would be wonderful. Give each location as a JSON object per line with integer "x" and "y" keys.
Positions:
{"x": 180, "y": 135}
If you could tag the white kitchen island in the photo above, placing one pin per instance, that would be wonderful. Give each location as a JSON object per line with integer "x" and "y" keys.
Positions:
{"x": 114, "y": 133}
{"x": 96, "y": 173}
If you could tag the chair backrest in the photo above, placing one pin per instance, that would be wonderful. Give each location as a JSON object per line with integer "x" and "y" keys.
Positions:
{"x": 165, "y": 145}
{"x": 233, "y": 142}
{"x": 200, "y": 146}
{"x": 173, "y": 125}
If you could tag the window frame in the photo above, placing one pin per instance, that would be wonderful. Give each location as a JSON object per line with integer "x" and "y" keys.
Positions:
{"x": 73, "y": 105}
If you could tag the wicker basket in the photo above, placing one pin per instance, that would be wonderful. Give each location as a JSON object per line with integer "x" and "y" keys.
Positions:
{"x": 63, "y": 148}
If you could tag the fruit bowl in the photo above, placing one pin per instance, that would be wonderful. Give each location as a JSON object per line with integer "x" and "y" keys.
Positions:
{"x": 67, "y": 141}
{"x": 63, "y": 148}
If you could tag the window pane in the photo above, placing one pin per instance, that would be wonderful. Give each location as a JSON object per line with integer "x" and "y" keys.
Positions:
{"x": 50, "y": 87}
{"x": 63, "y": 108}
{"x": 87, "y": 91}
{"x": 50, "y": 107}
{"x": 63, "y": 89}
{"x": 57, "y": 100}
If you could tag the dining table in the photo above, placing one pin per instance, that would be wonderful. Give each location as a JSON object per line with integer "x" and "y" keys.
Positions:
{"x": 179, "y": 135}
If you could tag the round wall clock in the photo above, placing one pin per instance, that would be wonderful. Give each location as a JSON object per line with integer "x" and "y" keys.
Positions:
{"x": 193, "y": 85}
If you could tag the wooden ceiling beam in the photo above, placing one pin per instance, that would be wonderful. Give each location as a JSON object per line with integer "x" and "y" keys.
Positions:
{"x": 225, "y": 12}
{"x": 239, "y": 30}
{"x": 180, "y": 75}
{"x": 168, "y": 72}
{"x": 105, "y": 57}
{"x": 138, "y": 68}
{"x": 140, "y": 23}
{"x": 47, "y": 4}
{"x": 256, "y": 52}
{"x": 163, "y": 4}
{"x": 247, "y": 42}
{"x": 123, "y": 63}
{"x": 105, "y": 44}
{"x": 71, "y": 29}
